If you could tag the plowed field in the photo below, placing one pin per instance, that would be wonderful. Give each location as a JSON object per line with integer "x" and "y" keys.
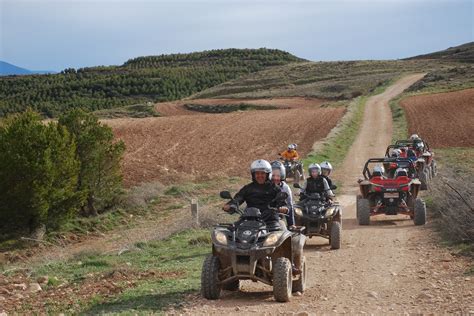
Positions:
{"x": 196, "y": 147}
{"x": 443, "y": 119}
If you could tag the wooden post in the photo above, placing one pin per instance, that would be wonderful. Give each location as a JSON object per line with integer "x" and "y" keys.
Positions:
{"x": 195, "y": 211}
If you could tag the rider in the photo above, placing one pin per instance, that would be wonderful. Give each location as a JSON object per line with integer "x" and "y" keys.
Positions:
{"x": 379, "y": 171}
{"x": 326, "y": 169}
{"x": 278, "y": 177}
{"x": 292, "y": 155}
{"x": 260, "y": 193}
{"x": 315, "y": 183}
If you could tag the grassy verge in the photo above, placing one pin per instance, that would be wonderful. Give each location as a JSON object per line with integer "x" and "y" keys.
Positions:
{"x": 336, "y": 147}
{"x": 450, "y": 202}
{"x": 399, "y": 121}
{"x": 156, "y": 275}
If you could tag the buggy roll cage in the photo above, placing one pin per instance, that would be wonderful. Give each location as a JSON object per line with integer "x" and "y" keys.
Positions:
{"x": 405, "y": 163}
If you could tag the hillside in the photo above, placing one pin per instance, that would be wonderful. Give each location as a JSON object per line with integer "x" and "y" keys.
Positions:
{"x": 461, "y": 53}
{"x": 7, "y": 69}
{"x": 139, "y": 80}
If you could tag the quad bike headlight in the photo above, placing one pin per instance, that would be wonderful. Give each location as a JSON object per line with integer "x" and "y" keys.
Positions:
{"x": 220, "y": 237}
{"x": 330, "y": 211}
{"x": 298, "y": 211}
{"x": 272, "y": 239}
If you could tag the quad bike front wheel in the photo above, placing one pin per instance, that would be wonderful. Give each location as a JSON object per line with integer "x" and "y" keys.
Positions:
{"x": 335, "y": 235}
{"x": 424, "y": 179}
{"x": 282, "y": 280}
{"x": 300, "y": 284}
{"x": 419, "y": 217}
{"x": 296, "y": 176}
{"x": 363, "y": 211}
{"x": 210, "y": 287}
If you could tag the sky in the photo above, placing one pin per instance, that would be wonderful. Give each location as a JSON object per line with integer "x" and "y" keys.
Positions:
{"x": 57, "y": 34}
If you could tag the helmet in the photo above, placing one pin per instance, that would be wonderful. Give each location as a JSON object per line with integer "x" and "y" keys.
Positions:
{"x": 326, "y": 165}
{"x": 261, "y": 165}
{"x": 379, "y": 171}
{"x": 400, "y": 172}
{"x": 414, "y": 136}
{"x": 276, "y": 165}
{"x": 396, "y": 153}
{"x": 314, "y": 166}
{"x": 419, "y": 145}
{"x": 291, "y": 147}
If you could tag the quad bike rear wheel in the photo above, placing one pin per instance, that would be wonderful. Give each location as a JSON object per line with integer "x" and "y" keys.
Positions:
{"x": 420, "y": 212}
{"x": 363, "y": 211}
{"x": 300, "y": 284}
{"x": 335, "y": 235}
{"x": 434, "y": 170}
{"x": 210, "y": 287}
{"x": 282, "y": 280}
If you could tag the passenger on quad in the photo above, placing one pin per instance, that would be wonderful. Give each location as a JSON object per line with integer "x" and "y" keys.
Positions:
{"x": 279, "y": 177}
{"x": 326, "y": 169}
{"x": 316, "y": 183}
{"x": 260, "y": 193}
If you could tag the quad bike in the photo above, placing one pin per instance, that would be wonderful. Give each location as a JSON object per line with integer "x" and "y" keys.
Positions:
{"x": 320, "y": 217}
{"x": 249, "y": 250}
{"x": 381, "y": 195}
{"x": 294, "y": 169}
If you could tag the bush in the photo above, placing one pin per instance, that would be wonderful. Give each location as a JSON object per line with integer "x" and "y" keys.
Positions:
{"x": 38, "y": 174}
{"x": 100, "y": 177}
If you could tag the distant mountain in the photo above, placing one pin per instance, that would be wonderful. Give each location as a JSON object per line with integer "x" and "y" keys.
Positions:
{"x": 461, "y": 53}
{"x": 7, "y": 69}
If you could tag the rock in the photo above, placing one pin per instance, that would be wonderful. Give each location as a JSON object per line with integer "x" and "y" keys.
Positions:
{"x": 297, "y": 294}
{"x": 373, "y": 294}
{"x": 42, "y": 279}
{"x": 2, "y": 298}
{"x": 324, "y": 298}
{"x": 237, "y": 309}
{"x": 393, "y": 273}
{"x": 302, "y": 314}
{"x": 467, "y": 279}
{"x": 21, "y": 286}
{"x": 35, "y": 287}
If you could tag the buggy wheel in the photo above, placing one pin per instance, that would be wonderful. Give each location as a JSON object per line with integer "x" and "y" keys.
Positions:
{"x": 363, "y": 211}
{"x": 282, "y": 280}
{"x": 420, "y": 212}
{"x": 210, "y": 287}
{"x": 300, "y": 284}
{"x": 335, "y": 235}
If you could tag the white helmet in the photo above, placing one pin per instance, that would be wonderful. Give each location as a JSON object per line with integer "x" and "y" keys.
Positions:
{"x": 400, "y": 172}
{"x": 396, "y": 153}
{"x": 314, "y": 166}
{"x": 278, "y": 165}
{"x": 291, "y": 147}
{"x": 414, "y": 136}
{"x": 261, "y": 165}
{"x": 326, "y": 165}
{"x": 378, "y": 171}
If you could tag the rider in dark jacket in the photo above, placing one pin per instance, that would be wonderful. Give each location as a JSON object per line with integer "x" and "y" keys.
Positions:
{"x": 315, "y": 183}
{"x": 260, "y": 193}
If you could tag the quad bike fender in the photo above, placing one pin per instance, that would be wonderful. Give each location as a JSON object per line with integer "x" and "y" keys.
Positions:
{"x": 285, "y": 249}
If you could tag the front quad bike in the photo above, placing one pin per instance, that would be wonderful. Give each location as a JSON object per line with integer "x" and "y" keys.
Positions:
{"x": 381, "y": 195}
{"x": 320, "y": 218}
{"x": 249, "y": 250}
{"x": 294, "y": 169}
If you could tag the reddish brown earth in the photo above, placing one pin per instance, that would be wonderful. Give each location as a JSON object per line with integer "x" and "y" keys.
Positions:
{"x": 443, "y": 119}
{"x": 178, "y": 108}
{"x": 203, "y": 146}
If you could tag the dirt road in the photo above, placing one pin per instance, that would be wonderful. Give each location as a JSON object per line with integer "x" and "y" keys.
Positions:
{"x": 390, "y": 266}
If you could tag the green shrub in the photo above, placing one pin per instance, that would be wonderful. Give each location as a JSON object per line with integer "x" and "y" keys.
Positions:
{"x": 100, "y": 176}
{"x": 38, "y": 174}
